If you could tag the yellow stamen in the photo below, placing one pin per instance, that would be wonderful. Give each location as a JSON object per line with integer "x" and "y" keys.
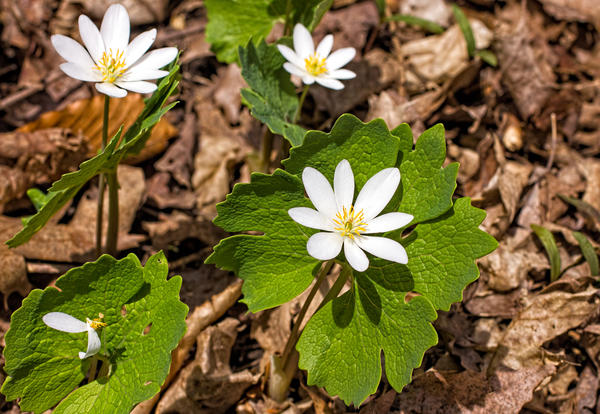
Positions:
{"x": 350, "y": 223}
{"x": 314, "y": 65}
{"x": 97, "y": 322}
{"x": 112, "y": 65}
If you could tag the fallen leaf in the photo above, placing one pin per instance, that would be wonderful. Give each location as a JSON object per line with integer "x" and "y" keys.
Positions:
{"x": 433, "y": 10}
{"x": 350, "y": 25}
{"x": 13, "y": 274}
{"x": 166, "y": 195}
{"x": 471, "y": 392}
{"x": 85, "y": 117}
{"x": 177, "y": 226}
{"x": 179, "y": 157}
{"x": 547, "y": 316}
{"x": 227, "y": 92}
{"x": 578, "y": 10}
{"x": 395, "y": 109}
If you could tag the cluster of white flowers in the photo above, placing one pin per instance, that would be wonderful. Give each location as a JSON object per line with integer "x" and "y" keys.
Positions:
{"x": 109, "y": 60}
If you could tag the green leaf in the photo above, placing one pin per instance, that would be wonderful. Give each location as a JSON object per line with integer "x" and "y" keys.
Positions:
{"x": 272, "y": 97}
{"x": 583, "y": 207}
{"x": 488, "y": 57}
{"x": 43, "y": 363}
{"x": 549, "y": 244}
{"x": 342, "y": 343}
{"x": 233, "y": 23}
{"x": 589, "y": 253}
{"x": 465, "y": 27}
{"x": 424, "y": 24}
{"x": 115, "y": 151}
{"x": 380, "y": 7}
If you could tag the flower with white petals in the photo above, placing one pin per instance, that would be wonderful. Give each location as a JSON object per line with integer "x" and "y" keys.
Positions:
{"x": 317, "y": 65}
{"x": 347, "y": 224}
{"x": 109, "y": 59}
{"x": 66, "y": 323}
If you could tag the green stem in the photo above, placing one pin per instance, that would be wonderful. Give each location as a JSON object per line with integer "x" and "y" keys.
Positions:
{"x": 300, "y": 104}
{"x": 295, "y": 334}
{"x": 93, "y": 369}
{"x": 287, "y": 27}
{"x": 267, "y": 147}
{"x": 337, "y": 285}
{"x": 101, "y": 183}
{"x": 113, "y": 213}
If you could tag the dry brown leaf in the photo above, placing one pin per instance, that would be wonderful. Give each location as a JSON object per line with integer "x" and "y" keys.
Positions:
{"x": 562, "y": 379}
{"x": 441, "y": 57}
{"x": 547, "y": 316}
{"x": 199, "y": 319}
{"x": 349, "y": 25}
{"x": 526, "y": 73}
{"x": 436, "y": 11}
{"x": 85, "y": 117}
{"x": 395, "y": 109}
{"x": 177, "y": 226}
{"x": 178, "y": 159}
{"x": 586, "y": 391}
{"x": 588, "y": 125}
{"x": 38, "y": 157}
{"x": 471, "y": 392}
{"x": 207, "y": 385}
{"x": 13, "y": 274}
{"x": 227, "y": 92}
{"x": 579, "y": 10}
{"x": 166, "y": 195}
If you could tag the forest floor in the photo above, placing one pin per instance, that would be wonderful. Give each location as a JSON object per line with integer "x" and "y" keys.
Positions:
{"x": 526, "y": 133}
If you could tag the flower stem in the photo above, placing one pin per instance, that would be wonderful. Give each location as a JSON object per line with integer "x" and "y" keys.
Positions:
{"x": 267, "y": 147}
{"x": 113, "y": 213}
{"x": 288, "y": 9}
{"x": 93, "y": 369}
{"x": 300, "y": 104}
{"x": 101, "y": 183}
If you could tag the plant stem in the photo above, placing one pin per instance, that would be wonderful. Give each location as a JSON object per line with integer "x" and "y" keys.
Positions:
{"x": 101, "y": 183}
{"x": 295, "y": 334}
{"x": 113, "y": 213}
{"x": 288, "y": 9}
{"x": 93, "y": 369}
{"x": 267, "y": 147}
{"x": 300, "y": 104}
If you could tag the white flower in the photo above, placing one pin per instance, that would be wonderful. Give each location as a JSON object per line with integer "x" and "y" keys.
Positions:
{"x": 66, "y": 323}
{"x": 109, "y": 59}
{"x": 319, "y": 65}
{"x": 346, "y": 224}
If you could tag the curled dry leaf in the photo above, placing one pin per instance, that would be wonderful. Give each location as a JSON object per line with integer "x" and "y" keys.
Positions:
{"x": 13, "y": 274}
{"x": 42, "y": 156}
{"x": 433, "y": 10}
{"x": 547, "y": 316}
{"x": 207, "y": 385}
{"x": 349, "y": 25}
{"x": 85, "y": 117}
{"x": 227, "y": 92}
{"x": 441, "y": 57}
{"x": 471, "y": 392}
{"x": 579, "y": 10}
{"x": 179, "y": 157}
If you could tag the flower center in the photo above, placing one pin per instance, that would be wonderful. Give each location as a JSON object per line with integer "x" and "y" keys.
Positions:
{"x": 97, "y": 322}
{"x": 112, "y": 65}
{"x": 315, "y": 65}
{"x": 350, "y": 223}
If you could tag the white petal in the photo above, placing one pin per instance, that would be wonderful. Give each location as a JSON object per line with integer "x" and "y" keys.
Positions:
{"x": 291, "y": 56}
{"x": 377, "y": 192}
{"x": 139, "y": 46}
{"x": 310, "y": 218}
{"x": 319, "y": 191}
{"x": 90, "y": 35}
{"x": 325, "y": 46}
{"x": 343, "y": 185}
{"x": 156, "y": 59}
{"x": 87, "y": 73}
{"x": 71, "y": 51}
{"x": 340, "y": 57}
{"x": 308, "y": 80}
{"x": 355, "y": 256}
{"x": 388, "y": 222}
{"x": 137, "y": 86}
{"x": 329, "y": 83}
{"x": 294, "y": 70}
{"x": 135, "y": 74}
{"x": 384, "y": 248}
{"x": 303, "y": 43}
{"x": 324, "y": 246}
{"x": 115, "y": 28}
{"x": 111, "y": 90}
{"x": 64, "y": 322}
{"x": 93, "y": 344}
{"x": 342, "y": 74}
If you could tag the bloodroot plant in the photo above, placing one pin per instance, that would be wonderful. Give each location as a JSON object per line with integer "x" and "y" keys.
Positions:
{"x": 389, "y": 289}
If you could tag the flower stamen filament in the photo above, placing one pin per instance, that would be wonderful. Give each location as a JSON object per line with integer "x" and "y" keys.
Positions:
{"x": 315, "y": 65}
{"x": 350, "y": 223}
{"x": 96, "y": 323}
{"x": 111, "y": 65}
